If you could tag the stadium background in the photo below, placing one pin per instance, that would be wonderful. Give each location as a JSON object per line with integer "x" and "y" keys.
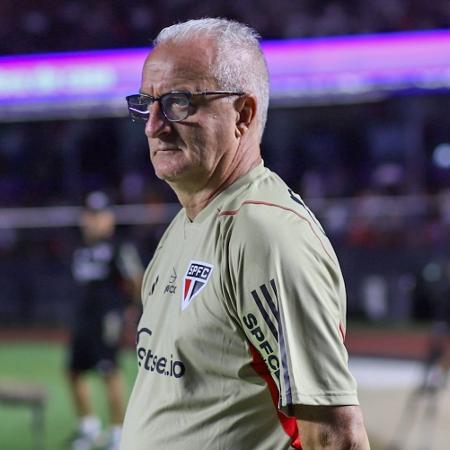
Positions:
{"x": 376, "y": 172}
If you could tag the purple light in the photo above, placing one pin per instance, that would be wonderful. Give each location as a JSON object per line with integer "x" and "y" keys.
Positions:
{"x": 70, "y": 75}
{"x": 360, "y": 64}
{"x": 300, "y": 71}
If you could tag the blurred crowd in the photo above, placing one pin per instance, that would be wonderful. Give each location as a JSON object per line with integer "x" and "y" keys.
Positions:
{"x": 396, "y": 147}
{"x": 27, "y": 26}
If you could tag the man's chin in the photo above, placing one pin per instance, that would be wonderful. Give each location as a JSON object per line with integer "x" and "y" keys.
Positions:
{"x": 170, "y": 175}
{"x": 180, "y": 179}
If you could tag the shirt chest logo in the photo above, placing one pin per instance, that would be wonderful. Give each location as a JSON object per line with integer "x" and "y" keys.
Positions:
{"x": 197, "y": 275}
{"x": 171, "y": 286}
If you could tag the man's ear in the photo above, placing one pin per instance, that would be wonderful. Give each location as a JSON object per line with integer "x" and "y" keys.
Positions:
{"x": 245, "y": 113}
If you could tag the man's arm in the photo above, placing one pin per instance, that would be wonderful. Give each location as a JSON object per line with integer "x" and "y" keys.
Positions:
{"x": 331, "y": 427}
{"x": 131, "y": 269}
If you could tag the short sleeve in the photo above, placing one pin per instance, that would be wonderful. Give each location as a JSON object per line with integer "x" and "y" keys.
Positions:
{"x": 289, "y": 296}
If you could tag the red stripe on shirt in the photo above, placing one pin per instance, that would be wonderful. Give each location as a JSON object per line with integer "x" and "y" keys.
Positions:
{"x": 342, "y": 330}
{"x": 289, "y": 424}
{"x": 258, "y": 202}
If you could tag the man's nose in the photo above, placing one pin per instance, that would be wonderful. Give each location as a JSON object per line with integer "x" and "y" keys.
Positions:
{"x": 157, "y": 123}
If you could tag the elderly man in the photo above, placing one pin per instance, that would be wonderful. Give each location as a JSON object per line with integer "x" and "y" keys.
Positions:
{"x": 240, "y": 345}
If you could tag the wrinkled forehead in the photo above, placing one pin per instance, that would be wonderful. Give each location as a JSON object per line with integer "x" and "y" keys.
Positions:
{"x": 172, "y": 65}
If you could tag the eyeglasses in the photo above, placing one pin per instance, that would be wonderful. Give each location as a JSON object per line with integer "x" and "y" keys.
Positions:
{"x": 175, "y": 106}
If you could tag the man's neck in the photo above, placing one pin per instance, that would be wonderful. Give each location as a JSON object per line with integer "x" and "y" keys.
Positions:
{"x": 195, "y": 201}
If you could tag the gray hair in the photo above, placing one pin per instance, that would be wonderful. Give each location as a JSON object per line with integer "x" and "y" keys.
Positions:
{"x": 240, "y": 64}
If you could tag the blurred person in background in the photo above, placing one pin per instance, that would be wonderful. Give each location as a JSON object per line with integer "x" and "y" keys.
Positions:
{"x": 241, "y": 342}
{"x": 109, "y": 274}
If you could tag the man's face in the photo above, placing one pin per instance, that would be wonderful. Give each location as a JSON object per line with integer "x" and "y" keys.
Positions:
{"x": 198, "y": 149}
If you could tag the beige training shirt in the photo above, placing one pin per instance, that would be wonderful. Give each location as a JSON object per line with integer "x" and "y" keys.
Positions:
{"x": 244, "y": 316}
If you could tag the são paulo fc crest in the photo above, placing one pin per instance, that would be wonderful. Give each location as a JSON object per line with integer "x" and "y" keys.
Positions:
{"x": 197, "y": 275}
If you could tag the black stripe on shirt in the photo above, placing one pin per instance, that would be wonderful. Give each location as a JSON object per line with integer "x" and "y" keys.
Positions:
{"x": 266, "y": 317}
{"x": 283, "y": 349}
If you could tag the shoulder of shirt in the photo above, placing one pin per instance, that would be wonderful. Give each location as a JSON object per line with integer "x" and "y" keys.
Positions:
{"x": 266, "y": 210}
{"x": 263, "y": 201}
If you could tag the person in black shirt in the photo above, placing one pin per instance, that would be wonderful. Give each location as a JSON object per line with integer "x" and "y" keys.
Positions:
{"x": 108, "y": 273}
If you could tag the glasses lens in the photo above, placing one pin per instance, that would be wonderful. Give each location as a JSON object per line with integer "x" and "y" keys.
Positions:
{"x": 175, "y": 105}
{"x": 138, "y": 107}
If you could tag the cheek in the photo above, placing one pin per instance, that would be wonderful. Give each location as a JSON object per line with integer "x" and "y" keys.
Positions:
{"x": 215, "y": 137}
{"x": 197, "y": 143}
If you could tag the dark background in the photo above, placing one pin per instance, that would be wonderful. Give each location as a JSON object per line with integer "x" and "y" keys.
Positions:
{"x": 370, "y": 171}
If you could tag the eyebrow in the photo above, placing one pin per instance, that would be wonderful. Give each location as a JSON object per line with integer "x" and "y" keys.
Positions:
{"x": 157, "y": 96}
{"x": 176, "y": 90}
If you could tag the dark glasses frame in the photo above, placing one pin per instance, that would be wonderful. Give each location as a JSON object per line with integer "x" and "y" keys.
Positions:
{"x": 163, "y": 100}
